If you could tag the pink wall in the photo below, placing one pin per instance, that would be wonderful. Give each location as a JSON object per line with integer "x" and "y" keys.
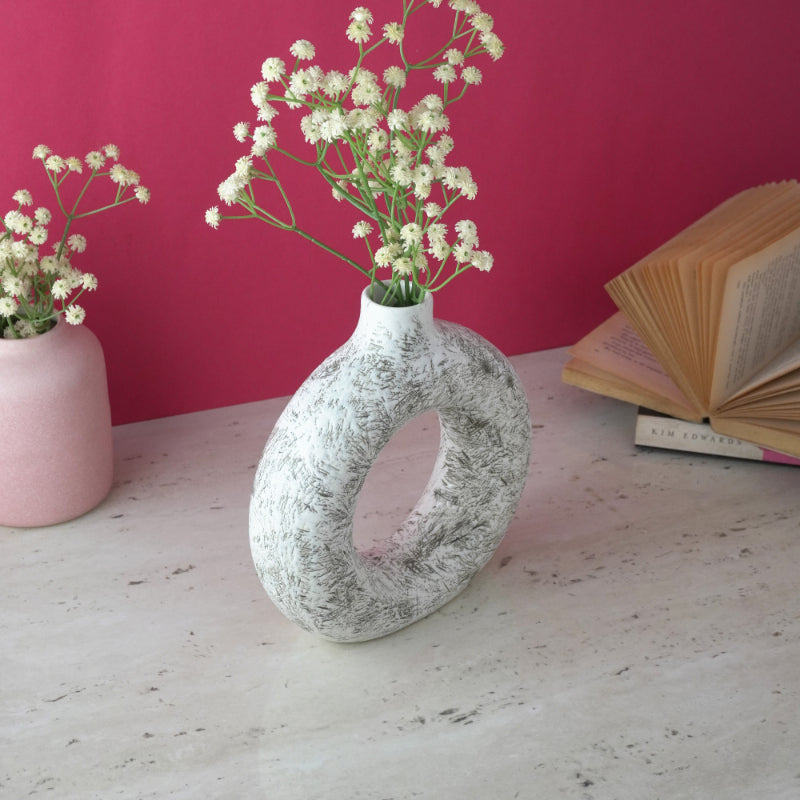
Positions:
{"x": 608, "y": 125}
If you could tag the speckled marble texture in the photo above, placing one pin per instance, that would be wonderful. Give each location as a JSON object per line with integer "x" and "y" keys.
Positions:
{"x": 636, "y": 635}
{"x": 398, "y": 364}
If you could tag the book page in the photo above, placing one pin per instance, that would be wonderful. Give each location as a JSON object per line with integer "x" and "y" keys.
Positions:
{"x": 782, "y": 374}
{"x": 668, "y": 301}
{"x": 614, "y": 347}
{"x": 780, "y": 435}
{"x": 760, "y": 315}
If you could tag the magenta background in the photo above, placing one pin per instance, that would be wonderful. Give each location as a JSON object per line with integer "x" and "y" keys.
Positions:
{"x": 608, "y": 126}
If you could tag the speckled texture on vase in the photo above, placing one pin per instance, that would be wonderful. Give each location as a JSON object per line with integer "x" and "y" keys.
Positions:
{"x": 398, "y": 364}
{"x": 55, "y": 425}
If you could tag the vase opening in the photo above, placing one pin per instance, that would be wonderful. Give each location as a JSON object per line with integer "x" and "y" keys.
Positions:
{"x": 390, "y": 295}
{"x": 380, "y": 509}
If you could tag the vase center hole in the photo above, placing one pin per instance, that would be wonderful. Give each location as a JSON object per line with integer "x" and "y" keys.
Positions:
{"x": 396, "y": 481}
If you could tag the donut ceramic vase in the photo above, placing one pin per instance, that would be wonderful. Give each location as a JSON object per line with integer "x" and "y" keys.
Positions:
{"x": 399, "y": 363}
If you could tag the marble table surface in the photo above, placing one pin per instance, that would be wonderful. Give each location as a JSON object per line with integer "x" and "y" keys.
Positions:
{"x": 636, "y": 635}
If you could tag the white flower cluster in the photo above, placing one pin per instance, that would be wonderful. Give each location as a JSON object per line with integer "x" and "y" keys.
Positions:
{"x": 389, "y": 161}
{"x": 31, "y": 283}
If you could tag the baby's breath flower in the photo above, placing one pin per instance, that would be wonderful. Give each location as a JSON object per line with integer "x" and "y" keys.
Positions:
{"x": 462, "y": 253}
{"x": 243, "y": 167}
{"x": 471, "y": 75}
{"x": 435, "y": 3}
{"x": 264, "y": 138}
{"x": 468, "y": 189}
{"x": 362, "y": 119}
{"x": 377, "y": 140}
{"x": 362, "y": 229}
{"x": 60, "y": 289}
{"x": 436, "y": 231}
{"x": 9, "y": 220}
{"x": 454, "y": 57}
{"x": 76, "y": 243}
{"x": 19, "y": 223}
{"x": 49, "y": 265}
{"x": 41, "y": 151}
{"x": 444, "y": 73}
{"x": 385, "y": 255}
{"x": 397, "y": 120}
{"x": 433, "y": 210}
{"x": 445, "y": 144}
{"x": 482, "y": 260}
{"x": 273, "y": 69}
{"x": 55, "y": 163}
{"x": 467, "y": 231}
{"x": 411, "y": 234}
{"x": 491, "y": 41}
{"x": 266, "y": 113}
{"x": 13, "y": 285}
{"x": 213, "y": 217}
{"x": 75, "y": 314}
{"x": 38, "y": 235}
{"x": 432, "y": 122}
{"x": 393, "y": 31}
{"x": 74, "y": 164}
{"x": 439, "y": 249}
{"x": 403, "y": 266}
{"x": 259, "y": 94}
{"x": 482, "y": 21}
{"x": 25, "y": 329}
{"x": 361, "y": 14}
{"x": 20, "y": 251}
{"x": 95, "y": 160}
{"x": 89, "y": 281}
{"x": 240, "y": 131}
{"x": 8, "y": 306}
{"x": 401, "y": 150}
{"x": 401, "y": 174}
{"x": 395, "y": 77}
{"x": 123, "y": 176}
{"x": 303, "y": 50}
{"x": 334, "y": 83}
{"x": 112, "y": 151}
{"x": 366, "y": 94}
{"x": 23, "y": 197}
{"x": 142, "y": 194}
{"x": 358, "y": 32}
{"x": 423, "y": 173}
{"x": 303, "y": 82}
{"x": 230, "y": 189}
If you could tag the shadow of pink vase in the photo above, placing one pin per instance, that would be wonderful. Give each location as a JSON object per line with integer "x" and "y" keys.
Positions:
{"x": 56, "y": 452}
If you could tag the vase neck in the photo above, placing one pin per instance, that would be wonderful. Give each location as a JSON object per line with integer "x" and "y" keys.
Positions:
{"x": 394, "y": 320}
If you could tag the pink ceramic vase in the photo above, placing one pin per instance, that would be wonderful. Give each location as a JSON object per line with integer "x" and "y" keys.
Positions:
{"x": 55, "y": 427}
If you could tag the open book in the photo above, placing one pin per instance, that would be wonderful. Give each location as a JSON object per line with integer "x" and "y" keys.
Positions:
{"x": 709, "y": 323}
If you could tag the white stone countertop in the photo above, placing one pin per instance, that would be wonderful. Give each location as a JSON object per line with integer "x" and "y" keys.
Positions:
{"x": 636, "y": 635}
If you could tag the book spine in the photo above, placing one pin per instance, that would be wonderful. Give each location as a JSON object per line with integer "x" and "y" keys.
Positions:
{"x": 656, "y": 430}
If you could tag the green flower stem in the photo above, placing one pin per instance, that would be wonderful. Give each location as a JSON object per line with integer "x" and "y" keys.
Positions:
{"x": 331, "y": 250}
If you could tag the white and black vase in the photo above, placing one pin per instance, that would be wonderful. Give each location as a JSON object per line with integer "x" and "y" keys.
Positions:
{"x": 399, "y": 363}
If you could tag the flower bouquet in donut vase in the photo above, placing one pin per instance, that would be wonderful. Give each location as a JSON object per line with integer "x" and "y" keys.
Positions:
{"x": 392, "y": 163}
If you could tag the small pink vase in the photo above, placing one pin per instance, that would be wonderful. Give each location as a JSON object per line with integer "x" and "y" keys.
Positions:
{"x": 55, "y": 427}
